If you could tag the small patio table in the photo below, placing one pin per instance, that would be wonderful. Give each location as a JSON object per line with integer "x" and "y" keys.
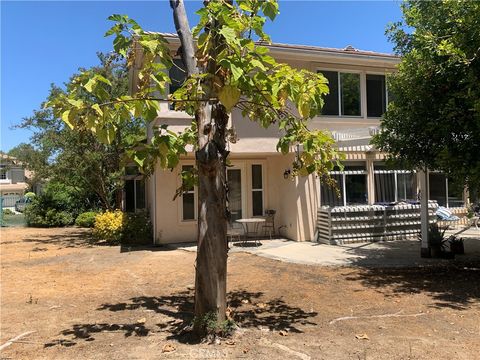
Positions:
{"x": 251, "y": 232}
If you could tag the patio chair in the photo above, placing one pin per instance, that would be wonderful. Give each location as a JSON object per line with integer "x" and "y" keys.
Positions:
{"x": 446, "y": 218}
{"x": 269, "y": 225}
{"x": 233, "y": 233}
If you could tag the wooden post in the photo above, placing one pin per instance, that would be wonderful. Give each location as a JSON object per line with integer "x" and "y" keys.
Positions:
{"x": 424, "y": 195}
{"x": 370, "y": 178}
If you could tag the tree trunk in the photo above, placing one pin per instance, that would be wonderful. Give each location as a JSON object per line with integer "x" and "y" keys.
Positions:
{"x": 211, "y": 262}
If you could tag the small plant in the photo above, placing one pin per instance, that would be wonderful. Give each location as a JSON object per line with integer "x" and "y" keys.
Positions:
{"x": 8, "y": 212}
{"x": 210, "y": 324}
{"x": 456, "y": 245}
{"x": 438, "y": 243}
{"x": 109, "y": 226}
{"x": 137, "y": 229}
{"x": 86, "y": 219}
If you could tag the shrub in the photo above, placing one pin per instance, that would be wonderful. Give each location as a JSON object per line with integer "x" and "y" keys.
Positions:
{"x": 29, "y": 195}
{"x": 86, "y": 219}
{"x": 36, "y": 216}
{"x": 109, "y": 226}
{"x": 8, "y": 212}
{"x": 126, "y": 228}
{"x": 137, "y": 229}
{"x": 58, "y": 205}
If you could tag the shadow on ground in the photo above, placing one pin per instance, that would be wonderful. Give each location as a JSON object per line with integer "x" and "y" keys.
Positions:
{"x": 77, "y": 239}
{"x": 247, "y": 309}
{"x": 450, "y": 285}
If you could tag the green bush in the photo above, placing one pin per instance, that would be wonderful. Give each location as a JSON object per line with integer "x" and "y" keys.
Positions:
{"x": 36, "y": 216}
{"x": 126, "y": 228}
{"x": 86, "y": 219}
{"x": 8, "y": 212}
{"x": 58, "y": 205}
{"x": 137, "y": 229}
{"x": 29, "y": 194}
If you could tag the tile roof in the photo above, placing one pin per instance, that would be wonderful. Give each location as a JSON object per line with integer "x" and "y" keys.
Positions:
{"x": 349, "y": 49}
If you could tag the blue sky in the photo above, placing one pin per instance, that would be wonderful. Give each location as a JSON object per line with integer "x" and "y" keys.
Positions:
{"x": 44, "y": 42}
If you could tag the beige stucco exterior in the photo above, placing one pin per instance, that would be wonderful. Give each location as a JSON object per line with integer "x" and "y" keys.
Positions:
{"x": 295, "y": 201}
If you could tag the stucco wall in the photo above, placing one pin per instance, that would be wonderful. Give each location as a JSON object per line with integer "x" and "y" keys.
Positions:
{"x": 295, "y": 201}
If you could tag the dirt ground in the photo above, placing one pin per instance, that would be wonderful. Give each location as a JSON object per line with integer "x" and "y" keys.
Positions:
{"x": 106, "y": 302}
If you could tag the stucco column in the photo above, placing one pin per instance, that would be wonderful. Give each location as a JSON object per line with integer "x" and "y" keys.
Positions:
{"x": 424, "y": 194}
{"x": 370, "y": 178}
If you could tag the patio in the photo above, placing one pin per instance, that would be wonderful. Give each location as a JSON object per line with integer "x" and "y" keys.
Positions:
{"x": 369, "y": 254}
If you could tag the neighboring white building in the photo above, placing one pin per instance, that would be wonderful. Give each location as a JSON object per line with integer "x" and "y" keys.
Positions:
{"x": 352, "y": 112}
{"x": 12, "y": 176}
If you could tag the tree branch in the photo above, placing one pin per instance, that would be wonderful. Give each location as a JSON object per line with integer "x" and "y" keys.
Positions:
{"x": 186, "y": 39}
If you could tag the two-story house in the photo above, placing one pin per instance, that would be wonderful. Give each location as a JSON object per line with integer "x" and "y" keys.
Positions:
{"x": 258, "y": 178}
{"x": 12, "y": 177}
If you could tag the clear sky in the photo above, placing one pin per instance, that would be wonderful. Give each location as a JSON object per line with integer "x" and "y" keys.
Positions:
{"x": 44, "y": 42}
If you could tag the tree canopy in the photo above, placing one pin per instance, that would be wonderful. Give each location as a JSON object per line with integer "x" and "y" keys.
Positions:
{"x": 246, "y": 77}
{"x": 433, "y": 120}
{"x": 78, "y": 158}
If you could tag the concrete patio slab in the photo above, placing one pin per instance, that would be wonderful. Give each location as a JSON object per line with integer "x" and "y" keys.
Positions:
{"x": 379, "y": 254}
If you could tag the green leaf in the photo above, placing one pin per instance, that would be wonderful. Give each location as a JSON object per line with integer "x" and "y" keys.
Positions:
{"x": 229, "y": 96}
{"x": 229, "y": 34}
{"x": 97, "y": 108}
{"x": 270, "y": 9}
{"x": 237, "y": 72}
{"x": 66, "y": 119}
{"x": 90, "y": 84}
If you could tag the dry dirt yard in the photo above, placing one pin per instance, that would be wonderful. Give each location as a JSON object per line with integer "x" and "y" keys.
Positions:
{"x": 102, "y": 302}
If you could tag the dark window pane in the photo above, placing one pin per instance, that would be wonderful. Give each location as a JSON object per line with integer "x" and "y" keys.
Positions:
{"x": 350, "y": 94}
{"x": 407, "y": 186}
{"x": 234, "y": 194}
{"x": 188, "y": 206}
{"x": 177, "y": 75}
{"x": 438, "y": 188}
{"x": 331, "y": 100}
{"x": 257, "y": 177}
{"x": 130, "y": 195}
{"x": 356, "y": 189}
{"x": 384, "y": 188}
{"x": 257, "y": 203}
{"x": 188, "y": 168}
{"x": 131, "y": 170}
{"x": 376, "y": 99}
{"x": 328, "y": 195}
{"x": 455, "y": 194}
{"x": 140, "y": 193}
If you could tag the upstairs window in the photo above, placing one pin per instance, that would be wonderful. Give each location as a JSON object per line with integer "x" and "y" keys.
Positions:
{"x": 3, "y": 172}
{"x": 344, "y": 96}
{"x": 376, "y": 95}
{"x": 177, "y": 74}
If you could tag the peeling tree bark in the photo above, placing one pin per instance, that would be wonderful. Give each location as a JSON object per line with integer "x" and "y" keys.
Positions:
{"x": 211, "y": 262}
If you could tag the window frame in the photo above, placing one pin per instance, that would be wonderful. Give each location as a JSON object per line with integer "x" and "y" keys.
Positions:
{"x": 346, "y": 173}
{"x": 135, "y": 178}
{"x": 366, "y": 93}
{"x": 361, "y": 75}
{"x": 194, "y": 191}
{"x": 252, "y": 189}
{"x": 447, "y": 192}
{"x": 3, "y": 172}
{"x": 395, "y": 173}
